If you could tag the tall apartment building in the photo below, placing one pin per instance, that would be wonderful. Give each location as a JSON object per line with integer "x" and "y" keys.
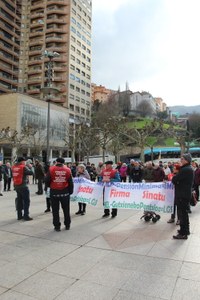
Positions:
{"x": 62, "y": 26}
{"x": 10, "y": 24}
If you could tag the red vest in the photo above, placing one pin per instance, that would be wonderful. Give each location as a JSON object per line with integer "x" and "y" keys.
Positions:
{"x": 18, "y": 174}
{"x": 59, "y": 177}
{"x": 110, "y": 173}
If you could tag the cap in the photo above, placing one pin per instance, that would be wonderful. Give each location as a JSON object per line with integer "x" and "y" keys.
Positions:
{"x": 188, "y": 157}
{"x": 132, "y": 160}
{"x": 109, "y": 162}
{"x": 20, "y": 159}
{"x": 60, "y": 160}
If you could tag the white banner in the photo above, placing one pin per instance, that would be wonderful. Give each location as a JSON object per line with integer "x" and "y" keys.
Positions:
{"x": 87, "y": 191}
{"x": 156, "y": 196}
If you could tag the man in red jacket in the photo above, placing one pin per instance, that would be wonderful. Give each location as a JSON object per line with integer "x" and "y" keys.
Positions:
{"x": 20, "y": 172}
{"x": 59, "y": 179}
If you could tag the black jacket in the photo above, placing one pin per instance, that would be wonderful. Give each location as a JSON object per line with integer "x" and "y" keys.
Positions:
{"x": 183, "y": 182}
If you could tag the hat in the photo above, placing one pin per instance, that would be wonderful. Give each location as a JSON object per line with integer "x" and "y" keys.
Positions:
{"x": 109, "y": 162}
{"x": 188, "y": 157}
{"x": 60, "y": 160}
{"x": 132, "y": 160}
{"x": 20, "y": 159}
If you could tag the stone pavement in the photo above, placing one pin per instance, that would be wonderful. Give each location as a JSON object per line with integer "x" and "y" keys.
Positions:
{"x": 121, "y": 258}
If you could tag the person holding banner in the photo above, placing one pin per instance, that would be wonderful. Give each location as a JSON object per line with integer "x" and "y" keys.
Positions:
{"x": 59, "y": 179}
{"x": 183, "y": 182}
{"x": 82, "y": 172}
{"x": 109, "y": 175}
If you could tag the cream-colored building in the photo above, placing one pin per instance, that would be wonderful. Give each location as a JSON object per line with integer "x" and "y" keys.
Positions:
{"x": 26, "y": 117}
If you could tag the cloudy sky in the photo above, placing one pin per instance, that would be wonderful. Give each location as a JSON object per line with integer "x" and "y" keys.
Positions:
{"x": 154, "y": 45}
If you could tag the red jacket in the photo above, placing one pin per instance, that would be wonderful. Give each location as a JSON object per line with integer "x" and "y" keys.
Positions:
{"x": 18, "y": 174}
{"x": 60, "y": 176}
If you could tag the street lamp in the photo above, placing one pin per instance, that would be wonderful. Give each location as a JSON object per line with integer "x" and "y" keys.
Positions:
{"x": 49, "y": 90}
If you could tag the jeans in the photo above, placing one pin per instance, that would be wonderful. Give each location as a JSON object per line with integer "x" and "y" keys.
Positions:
{"x": 23, "y": 201}
{"x": 40, "y": 186}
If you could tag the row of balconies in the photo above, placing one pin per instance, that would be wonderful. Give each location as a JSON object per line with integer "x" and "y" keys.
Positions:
{"x": 41, "y": 4}
{"x": 57, "y": 11}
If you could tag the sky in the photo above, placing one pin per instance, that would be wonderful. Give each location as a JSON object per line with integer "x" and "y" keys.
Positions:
{"x": 153, "y": 45}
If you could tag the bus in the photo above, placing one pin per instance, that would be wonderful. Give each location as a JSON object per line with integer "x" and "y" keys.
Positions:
{"x": 165, "y": 154}
{"x": 170, "y": 154}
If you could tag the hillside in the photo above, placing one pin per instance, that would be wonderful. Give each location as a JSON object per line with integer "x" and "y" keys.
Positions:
{"x": 182, "y": 109}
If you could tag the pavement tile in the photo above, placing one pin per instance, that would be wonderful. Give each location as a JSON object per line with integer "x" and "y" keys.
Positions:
{"x": 107, "y": 275}
{"x": 83, "y": 290}
{"x": 12, "y": 295}
{"x": 126, "y": 295}
{"x": 186, "y": 290}
{"x": 44, "y": 285}
{"x": 150, "y": 284}
{"x": 190, "y": 271}
{"x": 2, "y": 290}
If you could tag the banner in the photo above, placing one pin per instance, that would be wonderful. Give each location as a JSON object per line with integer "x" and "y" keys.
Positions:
{"x": 87, "y": 191}
{"x": 155, "y": 196}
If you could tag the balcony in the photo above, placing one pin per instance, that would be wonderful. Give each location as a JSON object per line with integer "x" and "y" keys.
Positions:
{"x": 56, "y": 20}
{"x": 34, "y": 71}
{"x": 56, "y": 29}
{"x": 37, "y": 80}
{"x": 57, "y": 11}
{"x": 56, "y": 2}
{"x": 58, "y": 39}
{"x": 37, "y": 5}
{"x": 33, "y": 91}
{"x": 34, "y": 62}
{"x": 35, "y": 52}
{"x": 36, "y": 42}
{"x": 37, "y": 15}
{"x": 57, "y": 49}
{"x": 36, "y": 33}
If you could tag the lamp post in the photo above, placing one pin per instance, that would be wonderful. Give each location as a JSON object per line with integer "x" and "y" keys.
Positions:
{"x": 49, "y": 90}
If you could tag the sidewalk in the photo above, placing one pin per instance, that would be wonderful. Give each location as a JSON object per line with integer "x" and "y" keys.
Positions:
{"x": 121, "y": 258}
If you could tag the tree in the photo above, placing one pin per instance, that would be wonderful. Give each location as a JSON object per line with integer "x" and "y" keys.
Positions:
{"x": 194, "y": 123}
{"x": 145, "y": 109}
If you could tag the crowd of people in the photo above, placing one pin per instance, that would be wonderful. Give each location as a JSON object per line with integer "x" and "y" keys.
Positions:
{"x": 57, "y": 183}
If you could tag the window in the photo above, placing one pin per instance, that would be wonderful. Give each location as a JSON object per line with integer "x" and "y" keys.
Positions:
{"x": 71, "y": 96}
{"x": 78, "y": 52}
{"x": 72, "y": 57}
{"x": 71, "y": 107}
{"x": 73, "y": 38}
{"x": 88, "y": 94}
{"x": 83, "y": 64}
{"x": 77, "y": 98}
{"x": 88, "y": 85}
{"x": 77, "y": 109}
{"x": 78, "y": 70}
{"x": 78, "y": 33}
{"x": 73, "y": 20}
{"x": 78, "y": 61}
{"x": 82, "y": 111}
{"x": 72, "y": 67}
{"x": 78, "y": 89}
{"x": 73, "y": 48}
{"x": 73, "y": 29}
{"x": 83, "y": 46}
{"x": 78, "y": 79}
{"x": 73, "y": 10}
{"x": 88, "y": 76}
{"x": 82, "y": 82}
{"x": 83, "y": 55}
{"x": 72, "y": 76}
{"x": 79, "y": 43}
{"x": 83, "y": 92}
{"x": 83, "y": 73}
{"x": 79, "y": 25}
{"x": 72, "y": 87}
{"x": 79, "y": 17}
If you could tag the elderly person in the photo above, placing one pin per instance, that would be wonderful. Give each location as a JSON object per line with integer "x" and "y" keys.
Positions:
{"x": 83, "y": 173}
{"x": 183, "y": 182}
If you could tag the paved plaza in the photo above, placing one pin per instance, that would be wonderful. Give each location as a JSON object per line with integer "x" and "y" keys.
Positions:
{"x": 121, "y": 258}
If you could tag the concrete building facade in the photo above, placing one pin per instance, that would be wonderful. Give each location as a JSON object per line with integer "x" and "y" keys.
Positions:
{"x": 26, "y": 116}
{"x": 137, "y": 98}
{"x": 101, "y": 93}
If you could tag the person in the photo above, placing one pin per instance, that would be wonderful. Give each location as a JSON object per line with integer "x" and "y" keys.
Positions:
{"x": 109, "y": 175}
{"x": 1, "y": 177}
{"x": 183, "y": 182}
{"x": 7, "y": 177}
{"x": 129, "y": 169}
{"x": 148, "y": 172}
{"x": 99, "y": 170}
{"x": 176, "y": 169}
{"x": 158, "y": 173}
{"x": 196, "y": 178}
{"x": 39, "y": 176}
{"x": 123, "y": 172}
{"x": 20, "y": 173}
{"x": 135, "y": 174}
{"x": 167, "y": 170}
{"x": 59, "y": 179}
{"x": 83, "y": 173}
{"x": 93, "y": 173}
{"x": 47, "y": 190}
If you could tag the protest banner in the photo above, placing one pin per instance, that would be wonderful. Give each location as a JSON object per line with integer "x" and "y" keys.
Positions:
{"x": 87, "y": 191}
{"x": 156, "y": 196}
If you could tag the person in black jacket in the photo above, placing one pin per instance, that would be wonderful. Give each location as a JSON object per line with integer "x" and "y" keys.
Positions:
{"x": 1, "y": 177}
{"x": 183, "y": 182}
{"x": 7, "y": 176}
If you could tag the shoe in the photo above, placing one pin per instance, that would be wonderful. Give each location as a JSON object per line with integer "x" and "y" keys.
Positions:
{"x": 180, "y": 237}
{"x": 113, "y": 216}
{"x": 78, "y": 212}
{"x": 189, "y": 211}
{"x": 1, "y": 194}
{"x": 37, "y": 193}
{"x": 82, "y": 213}
{"x": 8, "y": 190}
{"x": 105, "y": 216}
{"x": 178, "y": 222}
{"x": 20, "y": 218}
{"x": 171, "y": 221}
{"x": 28, "y": 219}
{"x": 187, "y": 233}
{"x": 47, "y": 210}
{"x": 57, "y": 229}
{"x": 67, "y": 227}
